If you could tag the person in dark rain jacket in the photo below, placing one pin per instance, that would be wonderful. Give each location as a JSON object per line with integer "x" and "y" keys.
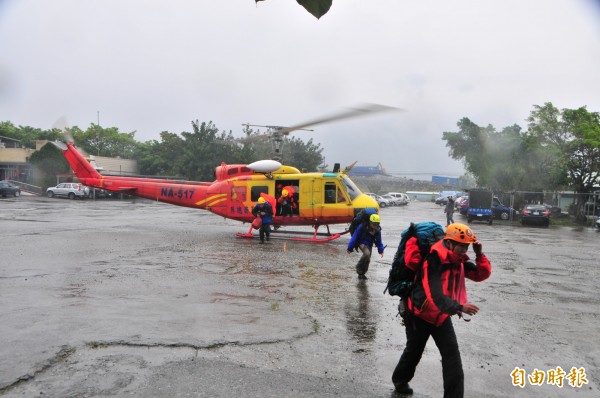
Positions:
{"x": 264, "y": 210}
{"x": 363, "y": 238}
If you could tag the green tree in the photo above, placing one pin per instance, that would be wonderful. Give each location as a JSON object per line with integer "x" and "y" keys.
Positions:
{"x": 506, "y": 160}
{"x": 471, "y": 144}
{"x": 305, "y": 156}
{"x": 7, "y": 129}
{"x": 204, "y": 149}
{"x": 47, "y": 163}
{"x": 574, "y": 135}
{"x": 160, "y": 158}
{"x": 100, "y": 141}
{"x": 28, "y": 135}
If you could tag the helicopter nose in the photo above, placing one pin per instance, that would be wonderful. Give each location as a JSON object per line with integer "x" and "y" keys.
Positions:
{"x": 363, "y": 201}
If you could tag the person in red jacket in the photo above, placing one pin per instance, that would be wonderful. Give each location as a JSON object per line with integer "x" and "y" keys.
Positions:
{"x": 286, "y": 203}
{"x": 440, "y": 292}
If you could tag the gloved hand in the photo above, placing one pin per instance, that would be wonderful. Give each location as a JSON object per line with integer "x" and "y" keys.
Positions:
{"x": 349, "y": 251}
{"x": 470, "y": 266}
{"x": 477, "y": 247}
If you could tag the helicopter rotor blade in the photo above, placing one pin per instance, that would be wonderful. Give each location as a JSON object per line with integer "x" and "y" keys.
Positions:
{"x": 62, "y": 125}
{"x": 361, "y": 110}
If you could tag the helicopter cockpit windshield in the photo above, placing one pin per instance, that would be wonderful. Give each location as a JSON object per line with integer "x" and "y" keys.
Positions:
{"x": 350, "y": 187}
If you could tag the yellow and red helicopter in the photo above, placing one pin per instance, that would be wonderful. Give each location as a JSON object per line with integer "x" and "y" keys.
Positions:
{"x": 322, "y": 198}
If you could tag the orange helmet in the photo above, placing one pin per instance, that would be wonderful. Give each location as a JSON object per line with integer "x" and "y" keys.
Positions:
{"x": 459, "y": 233}
{"x": 284, "y": 192}
{"x": 261, "y": 200}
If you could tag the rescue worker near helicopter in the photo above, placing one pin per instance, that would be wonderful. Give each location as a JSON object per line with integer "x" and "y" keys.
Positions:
{"x": 363, "y": 238}
{"x": 264, "y": 210}
{"x": 286, "y": 203}
{"x": 439, "y": 293}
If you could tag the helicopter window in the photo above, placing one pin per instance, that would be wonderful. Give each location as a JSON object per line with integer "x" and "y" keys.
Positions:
{"x": 238, "y": 193}
{"x": 257, "y": 190}
{"x": 333, "y": 194}
{"x": 330, "y": 192}
{"x": 351, "y": 189}
{"x": 232, "y": 171}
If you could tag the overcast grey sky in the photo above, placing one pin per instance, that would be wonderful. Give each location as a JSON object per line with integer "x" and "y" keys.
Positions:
{"x": 155, "y": 65}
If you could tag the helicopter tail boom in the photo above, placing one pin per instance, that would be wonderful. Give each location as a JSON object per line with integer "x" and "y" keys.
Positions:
{"x": 81, "y": 167}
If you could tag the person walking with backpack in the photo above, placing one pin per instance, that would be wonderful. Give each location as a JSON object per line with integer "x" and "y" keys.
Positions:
{"x": 449, "y": 210}
{"x": 440, "y": 292}
{"x": 264, "y": 210}
{"x": 363, "y": 238}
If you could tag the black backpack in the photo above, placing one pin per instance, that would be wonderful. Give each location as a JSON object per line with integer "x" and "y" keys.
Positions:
{"x": 402, "y": 278}
{"x": 362, "y": 217}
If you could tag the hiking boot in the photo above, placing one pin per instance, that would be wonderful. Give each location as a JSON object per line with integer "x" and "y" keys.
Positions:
{"x": 403, "y": 389}
{"x": 262, "y": 241}
{"x": 268, "y": 238}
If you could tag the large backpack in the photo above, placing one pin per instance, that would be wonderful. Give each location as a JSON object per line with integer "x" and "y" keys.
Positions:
{"x": 402, "y": 278}
{"x": 362, "y": 217}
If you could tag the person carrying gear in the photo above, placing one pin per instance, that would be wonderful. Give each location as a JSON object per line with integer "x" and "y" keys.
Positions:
{"x": 440, "y": 292}
{"x": 363, "y": 238}
{"x": 264, "y": 210}
{"x": 285, "y": 203}
{"x": 449, "y": 210}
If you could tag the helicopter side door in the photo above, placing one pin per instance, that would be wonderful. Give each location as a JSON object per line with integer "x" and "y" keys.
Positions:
{"x": 308, "y": 199}
{"x": 334, "y": 202}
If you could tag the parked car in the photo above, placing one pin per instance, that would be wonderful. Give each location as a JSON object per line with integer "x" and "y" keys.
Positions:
{"x": 6, "y": 188}
{"x": 100, "y": 193}
{"x": 459, "y": 201}
{"x": 393, "y": 201}
{"x": 464, "y": 206}
{"x": 70, "y": 190}
{"x": 380, "y": 200}
{"x": 498, "y": 209}
{"x": 553, "y": 209}
{"x": 441, "y": 200}
{"x": 501, "y": 211}
{"x": 538, "y": 214}
{"x": 404, "y": 199}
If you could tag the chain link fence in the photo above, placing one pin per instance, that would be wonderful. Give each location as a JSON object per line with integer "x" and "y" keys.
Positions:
{"x": 581, "y": 207}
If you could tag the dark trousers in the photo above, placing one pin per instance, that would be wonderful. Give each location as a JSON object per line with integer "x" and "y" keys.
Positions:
{"x": 265, "y": 228}
{"x": 363, "y": 263}
{"x": 449, "y": 218}
{"x": 417, "y": 334}
{"x": 286, "y": 210}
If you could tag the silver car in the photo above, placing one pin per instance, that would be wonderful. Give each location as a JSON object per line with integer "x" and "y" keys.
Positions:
{"x": 70, "y": 190}
{"x": 382, "y": 202}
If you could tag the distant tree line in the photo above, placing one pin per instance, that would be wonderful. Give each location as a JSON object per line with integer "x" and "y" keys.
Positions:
{"x": 560, "y": 150}
{"x": 190, "y": 155}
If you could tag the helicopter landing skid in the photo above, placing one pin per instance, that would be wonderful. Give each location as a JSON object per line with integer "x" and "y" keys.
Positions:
{"x": 315, "y": 238}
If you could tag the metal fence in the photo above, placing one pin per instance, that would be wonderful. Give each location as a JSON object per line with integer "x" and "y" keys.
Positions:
{"x": 563, "y": 202}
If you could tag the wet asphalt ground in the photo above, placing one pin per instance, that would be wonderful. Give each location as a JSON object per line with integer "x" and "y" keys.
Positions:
{"x": 115, "y": 298}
